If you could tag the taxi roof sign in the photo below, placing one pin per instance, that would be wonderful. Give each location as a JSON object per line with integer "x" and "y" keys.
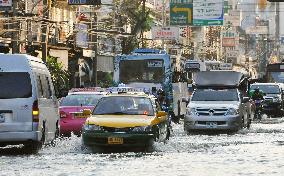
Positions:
{"x": 87, "y": 89}
{"x": 125, "y": 89}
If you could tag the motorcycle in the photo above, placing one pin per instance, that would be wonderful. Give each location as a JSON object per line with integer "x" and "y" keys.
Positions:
{"x": 258, "y": 109}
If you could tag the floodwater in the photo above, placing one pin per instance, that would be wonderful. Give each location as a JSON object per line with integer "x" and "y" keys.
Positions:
{"x": 257, "y": 151}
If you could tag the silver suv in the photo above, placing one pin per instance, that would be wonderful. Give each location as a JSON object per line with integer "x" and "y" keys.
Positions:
{"x": 218, "y": 103}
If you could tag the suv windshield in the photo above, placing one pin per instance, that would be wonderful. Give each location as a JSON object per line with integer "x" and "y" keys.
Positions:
{"x": 15, "y": 85}
{"x": 269, "y": 89}
{"x": 124, "y": 105}
{"x": 80, "y": 100}
{"x": 215, "y": 95}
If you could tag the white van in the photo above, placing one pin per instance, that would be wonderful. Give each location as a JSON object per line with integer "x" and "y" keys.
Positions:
{"x": 28, "y": 106}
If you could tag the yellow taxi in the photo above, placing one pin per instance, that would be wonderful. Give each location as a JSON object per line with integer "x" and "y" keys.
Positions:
{"x": 125, "y": 119}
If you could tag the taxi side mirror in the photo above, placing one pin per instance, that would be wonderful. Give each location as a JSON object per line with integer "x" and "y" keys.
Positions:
{"x": 87, "y": 112}
{"x": 161, "y": 113}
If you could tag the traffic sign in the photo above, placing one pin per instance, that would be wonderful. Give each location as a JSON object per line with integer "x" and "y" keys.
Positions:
{"x": 180, "y": 14}
{"x": 208, "y": 13}
{"x": 282, "y": 40}
{"x": 84, "y": 2}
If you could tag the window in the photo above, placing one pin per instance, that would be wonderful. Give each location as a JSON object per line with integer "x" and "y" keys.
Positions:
{"x": 124, "y": 105}
{"x": 15, "y": 85}
{"x": 215, "y": 95}
{"x": 39, "y": 86}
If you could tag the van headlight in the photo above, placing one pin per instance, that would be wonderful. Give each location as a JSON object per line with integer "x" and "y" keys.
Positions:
{"x": 91, "y": 127}
{"x": 142, "y": 129}
{"x": 191, "y": 111}
{"x": 232, "y": 111}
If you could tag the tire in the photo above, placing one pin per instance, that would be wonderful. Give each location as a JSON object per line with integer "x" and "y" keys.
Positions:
{"x": 32, "y": 147}
{"x": 248, "y": 123}
{"x": 57, "y": 135}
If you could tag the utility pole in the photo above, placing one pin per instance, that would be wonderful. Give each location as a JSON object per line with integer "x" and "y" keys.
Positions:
{"x": 277, "y": 32}
{"x": 163, "y": 22}
{"x": 15, "y": 33}
{"x": 144, "y": 18}
{"x": 94, "y": 38}
{"x": 44, "y": 35}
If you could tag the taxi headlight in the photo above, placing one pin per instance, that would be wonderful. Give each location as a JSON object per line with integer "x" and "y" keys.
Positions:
{"x": 232, "y": 111}
{"x": 91, "y": 127}
{"x": 191, "y": 111}
{"x": 142, "y": 129}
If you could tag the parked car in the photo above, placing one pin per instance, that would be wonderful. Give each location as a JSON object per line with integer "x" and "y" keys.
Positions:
{"x": 273, "y": 104}
{"x": 218, "y": 102}
{"x": 28, "y": 106}
{"x": 125, "y": 119}
{"x": 72, "y": 106}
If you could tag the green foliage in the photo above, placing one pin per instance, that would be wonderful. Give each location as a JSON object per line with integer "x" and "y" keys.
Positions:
{"x": 60, "y": 77}
{"x": 131, "y": 12}
{"x": 105, "y": 80}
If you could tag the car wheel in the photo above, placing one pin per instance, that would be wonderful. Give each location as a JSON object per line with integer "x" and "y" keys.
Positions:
{"x": 57, "y": 134}
{"x": 248, "y": 123}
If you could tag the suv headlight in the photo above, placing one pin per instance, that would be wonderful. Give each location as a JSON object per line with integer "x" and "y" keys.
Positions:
{"x": 142, "y": 129}
{"x": 91, "y": 127}
{"x": 276, "y": 99}
{"x": 191, "y": 111}
{"x": 232, "y": 111}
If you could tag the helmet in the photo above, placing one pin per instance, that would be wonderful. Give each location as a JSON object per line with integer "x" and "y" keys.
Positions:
{"x": 160, "y": 91}
{"x": 256, "y": 89}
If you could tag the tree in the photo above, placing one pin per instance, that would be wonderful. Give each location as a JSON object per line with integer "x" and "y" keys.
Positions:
{"x": 59, "y": 76}
{"x": 131, "y": 13}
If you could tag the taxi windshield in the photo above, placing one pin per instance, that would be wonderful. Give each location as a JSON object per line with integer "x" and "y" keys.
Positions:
{"x": 124, "y": 105}
{"x": 80, "y": 100}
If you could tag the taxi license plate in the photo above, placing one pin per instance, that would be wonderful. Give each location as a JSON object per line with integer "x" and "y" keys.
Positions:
{"x": 211, "y": 124}
{"x": 115, "y": 140}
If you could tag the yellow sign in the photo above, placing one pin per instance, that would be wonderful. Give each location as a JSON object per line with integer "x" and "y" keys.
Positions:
{"x": 182, "y": 9}
{"x": 262, "y": 4}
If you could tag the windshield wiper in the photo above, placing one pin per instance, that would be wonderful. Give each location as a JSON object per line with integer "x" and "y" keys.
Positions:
{"x": 115, "y": 113}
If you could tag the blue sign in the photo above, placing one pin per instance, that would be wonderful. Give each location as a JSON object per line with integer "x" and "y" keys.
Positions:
{"x": 282, "y": 40}
{"x": 84, "y": 2}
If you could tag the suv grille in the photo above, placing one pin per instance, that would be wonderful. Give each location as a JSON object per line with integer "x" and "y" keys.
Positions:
{"x": 211, "y": 111}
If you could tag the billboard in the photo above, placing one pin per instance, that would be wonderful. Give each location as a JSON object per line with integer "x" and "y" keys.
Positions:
{"x": 167, "y": 33}
{"x": 5, "y": 3}
{"x": 82, "y": 36}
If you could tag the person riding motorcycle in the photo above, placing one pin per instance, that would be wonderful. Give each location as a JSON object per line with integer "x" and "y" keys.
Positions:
{"x": 257, "y": 94}
{"x": 257, "y": 97}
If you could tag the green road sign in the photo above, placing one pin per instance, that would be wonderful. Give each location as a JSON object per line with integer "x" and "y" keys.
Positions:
{"x": 207, "y": 22}
{"x": 180, "y": 14}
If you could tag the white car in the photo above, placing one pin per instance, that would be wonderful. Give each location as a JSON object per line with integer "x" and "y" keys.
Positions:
{"x": 28, "y": 106}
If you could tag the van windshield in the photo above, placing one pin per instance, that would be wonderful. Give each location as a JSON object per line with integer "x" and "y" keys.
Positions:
{"x": 15, "y": 85}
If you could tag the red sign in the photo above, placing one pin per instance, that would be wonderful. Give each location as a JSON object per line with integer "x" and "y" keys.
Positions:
{"x": 228, "y": 42}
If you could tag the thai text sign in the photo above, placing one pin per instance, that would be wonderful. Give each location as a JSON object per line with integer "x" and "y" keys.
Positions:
{"x": 5, "y": 3}
{"x": 228, "y": 42}
{"x": 84, "y": 2}
{"x": 208, "y": 12}
{"x": 181, "y": 12}
{"x": 168, "y": 33}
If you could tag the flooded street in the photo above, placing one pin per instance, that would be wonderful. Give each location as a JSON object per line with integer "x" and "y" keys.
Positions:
{"x": 257, "y": 151}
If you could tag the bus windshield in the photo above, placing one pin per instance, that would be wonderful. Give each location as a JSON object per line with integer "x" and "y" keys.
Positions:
{"x": 276, "y": 77}
{"x": 147, "y": 71}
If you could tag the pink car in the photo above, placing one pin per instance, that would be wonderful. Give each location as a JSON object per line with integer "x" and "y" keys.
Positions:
{"x": 71, "y": 110}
